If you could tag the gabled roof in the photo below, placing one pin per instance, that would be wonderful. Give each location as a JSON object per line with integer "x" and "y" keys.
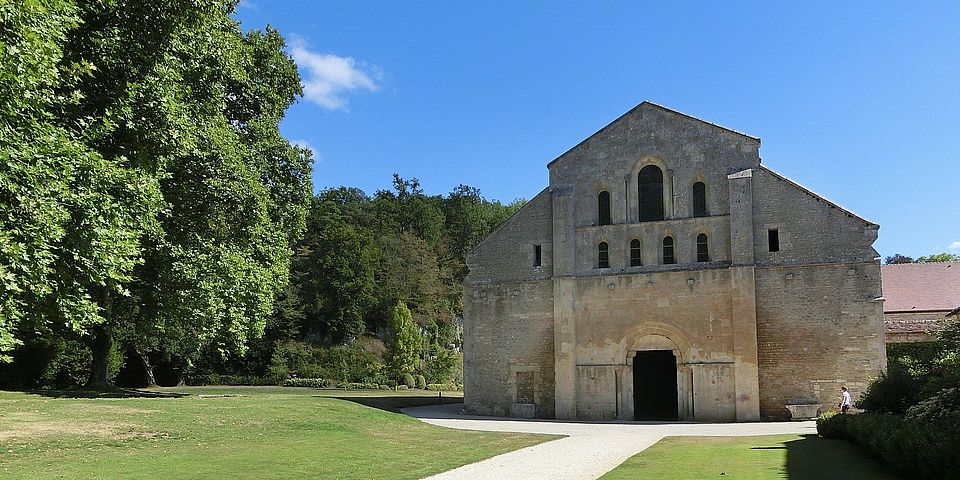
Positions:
{"x": 816, "y": 195}
{"x": 649, "y": 104}
{"x": 919, "y": 287}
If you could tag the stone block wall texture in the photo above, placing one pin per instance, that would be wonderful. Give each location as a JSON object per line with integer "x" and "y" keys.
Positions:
{"x": 752, "y": 330}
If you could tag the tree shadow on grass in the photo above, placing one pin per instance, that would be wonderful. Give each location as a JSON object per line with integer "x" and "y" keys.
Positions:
{"x": 106, "y": 393}
{"x": 395, "y": 403}
{"x": 815, "y": 458}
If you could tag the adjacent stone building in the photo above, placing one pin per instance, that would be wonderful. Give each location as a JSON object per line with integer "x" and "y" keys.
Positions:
{"x": 666, "y": 274}
{"x": 918, "y": 297}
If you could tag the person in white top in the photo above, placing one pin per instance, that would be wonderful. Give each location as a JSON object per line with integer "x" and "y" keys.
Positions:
{"x": 844, "y": 400}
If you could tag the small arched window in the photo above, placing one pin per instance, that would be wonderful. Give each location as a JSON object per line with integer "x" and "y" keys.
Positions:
{"x": 703, "y": 251}
{"x": 699, "y": 199}
{"x": 650, "y": 193}
{"x": 668, "y": 257}
{"x": 603, "y": 256}
{"x": 603, "y": 208}
{"x": 635, "y": 259}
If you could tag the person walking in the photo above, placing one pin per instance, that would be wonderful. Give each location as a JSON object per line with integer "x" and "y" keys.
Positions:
{"x": 844, "y": 400}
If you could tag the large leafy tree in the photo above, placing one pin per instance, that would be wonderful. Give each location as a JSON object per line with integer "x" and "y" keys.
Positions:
{"x": 170, "y": 207}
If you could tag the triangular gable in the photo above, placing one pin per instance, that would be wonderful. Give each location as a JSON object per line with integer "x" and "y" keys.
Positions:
{"x": 650, "y": 105}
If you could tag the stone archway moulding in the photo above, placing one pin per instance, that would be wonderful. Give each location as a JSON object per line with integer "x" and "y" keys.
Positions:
{"x": 632, "y": 337}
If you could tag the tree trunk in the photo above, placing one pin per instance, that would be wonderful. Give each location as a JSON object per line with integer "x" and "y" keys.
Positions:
{"x": 147, "y": 369}
{"x": 100, "y": 347}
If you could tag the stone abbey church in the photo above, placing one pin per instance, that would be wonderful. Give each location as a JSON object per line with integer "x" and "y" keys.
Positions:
{"x": 666, "y": 274}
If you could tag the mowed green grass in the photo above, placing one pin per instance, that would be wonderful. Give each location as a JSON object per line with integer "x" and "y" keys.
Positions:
{"x": 792, "y": 457}
{"x": 255, "y": 432}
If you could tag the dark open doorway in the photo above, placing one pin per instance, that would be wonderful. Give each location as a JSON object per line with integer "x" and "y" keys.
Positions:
{"x": 655, "y": 385}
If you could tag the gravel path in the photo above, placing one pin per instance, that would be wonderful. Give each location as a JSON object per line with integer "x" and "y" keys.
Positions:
{"x": 589, "y": 450}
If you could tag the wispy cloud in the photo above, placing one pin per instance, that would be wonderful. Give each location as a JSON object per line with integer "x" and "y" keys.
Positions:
{"x": 305, "y": 144}
{"x": 327, "y": 77}
{"x": 954, "y": 246}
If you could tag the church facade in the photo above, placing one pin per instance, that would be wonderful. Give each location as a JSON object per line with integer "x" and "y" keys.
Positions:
{"x": 666, "y": 274}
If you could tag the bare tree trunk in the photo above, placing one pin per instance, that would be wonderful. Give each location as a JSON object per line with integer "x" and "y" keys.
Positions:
{"x": 100, "y": 347}
{"x": 147, "y": 369}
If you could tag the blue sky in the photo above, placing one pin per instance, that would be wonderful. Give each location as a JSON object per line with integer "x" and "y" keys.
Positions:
{"x": 859, "y": 102}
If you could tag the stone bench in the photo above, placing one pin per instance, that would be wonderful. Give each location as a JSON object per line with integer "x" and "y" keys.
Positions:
{"x": 803, "y": 411}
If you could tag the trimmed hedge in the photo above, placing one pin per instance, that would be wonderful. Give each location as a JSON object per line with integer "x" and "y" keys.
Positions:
{"x": 915, "y": 448}
{"x": 309, "y": 382}
{"x": 444, "y": 387}
{"x": 229, "y": 380}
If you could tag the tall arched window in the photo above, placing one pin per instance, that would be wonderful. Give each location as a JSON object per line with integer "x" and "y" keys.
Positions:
{"x": 699, "y": 199}
{"x": 650, "y": 185}
{"x": 703, "y": 251}
{"x": 668, "y": 257}
{"x": 635, "y": 258}
{"x": 603, "y": 256}
{"x": 603, "y": 208}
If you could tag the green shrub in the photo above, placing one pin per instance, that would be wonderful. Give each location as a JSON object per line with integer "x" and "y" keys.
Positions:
{"x": 344, "y": 363}
{"x": 217, "y": 379}
{"x": 408, "y": 380}
{"x": 402, "y": 387}
{"x": 445, "y": 367}
{"x": 358, "y": 386}
{"x": 894, "y": 391}
{"x": 309, "y": 382}
{"x": 916, "y": 446}
{"x": 922, "y": 353}
{"x": 384, "y": 387}
{"x": 444, "y": 387}
{"x": 421, "y": 382}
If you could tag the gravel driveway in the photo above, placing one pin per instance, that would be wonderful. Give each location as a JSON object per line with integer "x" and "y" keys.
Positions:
{"x": 590, "y": 448}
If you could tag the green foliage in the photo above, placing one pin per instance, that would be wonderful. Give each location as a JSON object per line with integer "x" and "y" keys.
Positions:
{"x": 403, "y": 355}
{"x": 445, "y": 367}
{"x": 922, "y": 354}
{"x": 939, "y": 257}
{"x": 309, "y": 382}
{"x": 408, "y": 381}
{"x": 894, "y": 391}
{"x": 911, "y": 445}
{"x": 70, "y": 364}
{"x": 346, "y": 363}
{"x": 898, "y": 258}
{"x": 444, "y": 387}
{"x": 217, "y": 379}
{"x": 334, "y": 271}
{"x": 421, "y": 382}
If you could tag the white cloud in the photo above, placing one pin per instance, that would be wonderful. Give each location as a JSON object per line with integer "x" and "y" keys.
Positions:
{"x": 305, "y": 144}
{"x": 954, "y": 246}
{"x": 327, "y": 77}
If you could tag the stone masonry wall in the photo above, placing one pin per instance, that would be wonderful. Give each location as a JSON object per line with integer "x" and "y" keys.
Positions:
{"x": 818, "y": 327}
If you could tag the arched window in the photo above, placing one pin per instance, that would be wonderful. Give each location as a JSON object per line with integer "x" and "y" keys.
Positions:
{"x": 668, "y": 257}
{"x": 699, "y": 199}
{"x": 703, "y": 251}
{"x": 650, "y": 185}
{"x": 603, "y": 208}
{"x": 603, "y": 256}
{"x": 635, "y": 259}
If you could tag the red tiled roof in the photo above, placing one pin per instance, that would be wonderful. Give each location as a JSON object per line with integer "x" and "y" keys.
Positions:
{"x": 917, "y": 287}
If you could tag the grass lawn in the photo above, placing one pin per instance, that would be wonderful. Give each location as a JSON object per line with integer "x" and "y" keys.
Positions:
{"x": 775, "y": 456}
{"x": 233, "y": 432}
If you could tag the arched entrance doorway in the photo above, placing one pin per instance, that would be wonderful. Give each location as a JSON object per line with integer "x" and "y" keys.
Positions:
{"x": 656, "y": 383}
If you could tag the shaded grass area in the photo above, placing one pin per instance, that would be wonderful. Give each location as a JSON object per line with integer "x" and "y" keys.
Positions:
{"x": 764, "y": 457}
{"x": 233, "y": 432}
